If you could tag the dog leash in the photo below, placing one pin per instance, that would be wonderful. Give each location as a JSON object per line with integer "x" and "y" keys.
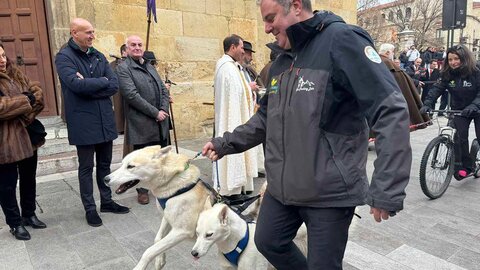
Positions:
{"x": 217, "y": 178}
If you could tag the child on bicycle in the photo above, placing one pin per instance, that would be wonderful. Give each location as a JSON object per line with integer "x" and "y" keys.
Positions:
{"x": 461, "y": 77}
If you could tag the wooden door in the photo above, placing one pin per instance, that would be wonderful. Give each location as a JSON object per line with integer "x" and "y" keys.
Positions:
{"x": 23, "y": 31}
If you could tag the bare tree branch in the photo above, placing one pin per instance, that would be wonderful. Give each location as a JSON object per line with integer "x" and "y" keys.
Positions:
{"x": 420, "y": 16}
{"x": 366, "y": 4}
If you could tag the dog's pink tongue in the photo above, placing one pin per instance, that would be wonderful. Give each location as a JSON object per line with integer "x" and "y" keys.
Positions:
{"x": 196, "y": 258}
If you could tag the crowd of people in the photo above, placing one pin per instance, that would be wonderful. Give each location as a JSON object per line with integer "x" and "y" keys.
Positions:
{"x": 311, "y": 126}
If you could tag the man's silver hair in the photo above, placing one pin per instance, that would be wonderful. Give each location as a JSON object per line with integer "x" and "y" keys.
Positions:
{"x": 386, "y": 47}
{"x": 286, "y": 4}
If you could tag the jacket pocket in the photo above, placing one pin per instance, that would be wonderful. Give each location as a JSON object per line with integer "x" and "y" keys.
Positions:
{"x": 348, "y": 155}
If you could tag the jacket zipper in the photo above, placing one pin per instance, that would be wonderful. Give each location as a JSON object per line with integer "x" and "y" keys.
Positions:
{"x": 295, "y": 80}
{"x": 283, "y": 126}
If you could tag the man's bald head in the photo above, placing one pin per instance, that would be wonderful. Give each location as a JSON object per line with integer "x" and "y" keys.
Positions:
{"x": 82, "y": 33}
{"x": 135, "y": 47}
{"x": 79, "y": 23}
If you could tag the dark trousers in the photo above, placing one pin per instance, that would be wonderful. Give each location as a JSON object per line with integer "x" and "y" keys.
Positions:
{"x": 327, "y": 230}
{"x": 462, "y": 153}
{"x": 162, "y": 143}
{"x": 8, "y": 199}
{"x": 27, "y": 170}
{"x": 103, "y": 159}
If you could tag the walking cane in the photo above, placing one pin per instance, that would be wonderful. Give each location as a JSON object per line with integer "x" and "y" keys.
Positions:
{"x": 173, "y": 126}
{"x": 171, "y": 112}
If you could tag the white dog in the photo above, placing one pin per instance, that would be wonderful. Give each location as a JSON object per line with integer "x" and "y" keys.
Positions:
{"x": 165, "y": 174}
{"x": 234, "y": 238}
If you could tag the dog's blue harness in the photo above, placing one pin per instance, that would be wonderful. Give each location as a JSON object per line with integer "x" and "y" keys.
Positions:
{"x": 163, "y": 201}
{"x": 234, "y": 255}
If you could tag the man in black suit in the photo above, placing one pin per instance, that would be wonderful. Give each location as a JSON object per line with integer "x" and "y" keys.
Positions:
{"x": 431, "y": 76}
{"x": 417, "y": 73}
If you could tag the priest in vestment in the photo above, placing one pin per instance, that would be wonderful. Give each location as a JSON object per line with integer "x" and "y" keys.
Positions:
{"x": 234, "y": 105}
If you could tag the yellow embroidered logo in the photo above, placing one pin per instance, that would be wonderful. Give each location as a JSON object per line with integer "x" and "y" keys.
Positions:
{"x": 274, "y": 82}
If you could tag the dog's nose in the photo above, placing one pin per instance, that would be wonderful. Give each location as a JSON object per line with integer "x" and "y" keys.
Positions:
{"x": 106, "y": 179}
{"x": 194, "y": 253}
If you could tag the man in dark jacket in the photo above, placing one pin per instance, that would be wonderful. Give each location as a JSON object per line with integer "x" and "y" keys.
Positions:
{"x": 314, "y": 121}
{"x": 88, "y": 82}
{"x": 146, "y": 102}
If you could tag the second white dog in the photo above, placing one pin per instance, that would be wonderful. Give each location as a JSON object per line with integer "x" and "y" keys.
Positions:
{"x": 234, "y": 239}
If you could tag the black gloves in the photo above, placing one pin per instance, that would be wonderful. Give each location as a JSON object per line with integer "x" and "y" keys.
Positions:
{"x": 31, "y": 97}
{"x": 470, "y": 111}
{"x": 425, "y": 109}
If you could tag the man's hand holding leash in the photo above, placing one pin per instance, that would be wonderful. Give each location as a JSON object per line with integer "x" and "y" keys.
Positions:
{"x": 209, "y": 151}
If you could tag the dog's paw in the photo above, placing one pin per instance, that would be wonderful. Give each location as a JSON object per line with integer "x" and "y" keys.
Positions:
{"x": 160, "y": 261}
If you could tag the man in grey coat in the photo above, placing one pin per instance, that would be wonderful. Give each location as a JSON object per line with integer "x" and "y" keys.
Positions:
{"x": 146, "y": 102}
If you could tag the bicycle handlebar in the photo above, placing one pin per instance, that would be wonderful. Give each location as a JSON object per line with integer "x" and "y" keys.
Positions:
{"x": 452, "y": 112}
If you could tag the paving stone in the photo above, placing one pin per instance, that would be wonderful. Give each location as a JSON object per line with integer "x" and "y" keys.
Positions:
{"x": 447, "y": 219}
{"x": 455, "y": 236}
{"x": 50, "y": 249}
{"x": 148, "y": 215}
{"x": 363, "y": 258}
{"x": 121, "y": 225}
{"x": 63, "y": 199}
{"x": 414, "y": 238}
{"x": 52, "y": 187}
{"x": 73, "y": 221}
{"x": 137, "y": 243}
{"x": 370, "y": 239}
{"x": 347, "y": 266}
{"x": 420, "y": 260}
{"x": 124, "y": 263}
{"x": 97, "y": 246}
{"x": 7, "y": 241}
{"x": 15, "y": 258}
{"x": 466, "y": 258}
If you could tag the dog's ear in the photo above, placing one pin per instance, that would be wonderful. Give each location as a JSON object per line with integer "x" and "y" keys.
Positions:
{"x": 162, "y": 151}
{"x": 222, "y": 216}
{"x": 208, "y": 203}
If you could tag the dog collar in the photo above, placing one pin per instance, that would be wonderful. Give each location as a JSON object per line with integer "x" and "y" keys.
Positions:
{"x": 163, "y": 201}
{"x": 234, "y": 255}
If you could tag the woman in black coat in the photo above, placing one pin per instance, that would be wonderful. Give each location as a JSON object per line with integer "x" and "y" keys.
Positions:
{"x": 461, "y": 77}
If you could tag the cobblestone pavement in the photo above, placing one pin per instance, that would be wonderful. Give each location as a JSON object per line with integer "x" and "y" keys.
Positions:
{"x": 428, "y": 234}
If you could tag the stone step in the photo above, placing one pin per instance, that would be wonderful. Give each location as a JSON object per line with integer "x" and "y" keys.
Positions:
{"x": 67, "y": 175}
{"x": 68, "y": 161}
{"x": 60, "y": 145}
{"x": 51, "y": 121}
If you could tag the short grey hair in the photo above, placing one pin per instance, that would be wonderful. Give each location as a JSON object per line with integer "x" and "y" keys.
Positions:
{"x": 286, "y": 4}
{"x": 386, "y": 47}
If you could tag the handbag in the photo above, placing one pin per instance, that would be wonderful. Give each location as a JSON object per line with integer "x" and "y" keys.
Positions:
{"x": 36, "y": 131}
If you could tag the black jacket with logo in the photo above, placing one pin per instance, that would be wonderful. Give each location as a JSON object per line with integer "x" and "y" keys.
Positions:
{"x": 463, "y": 91}
{"x": 322, "y": 96}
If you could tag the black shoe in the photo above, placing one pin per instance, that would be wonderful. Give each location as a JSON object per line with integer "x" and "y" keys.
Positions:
{"x": 34, "y": 222}
{"x": 115, "y": 208}
{"x": 20, "y": 233}
{"x": 93, "y": 219}
{"x": 261, "y": 175}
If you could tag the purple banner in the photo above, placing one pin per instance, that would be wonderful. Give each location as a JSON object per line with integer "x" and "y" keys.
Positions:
{"x": 152, "y": 7}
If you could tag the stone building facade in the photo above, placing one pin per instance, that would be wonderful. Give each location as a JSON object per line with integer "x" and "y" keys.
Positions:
{"x": 187, "y": 39}
{"x": 379, "y": 23}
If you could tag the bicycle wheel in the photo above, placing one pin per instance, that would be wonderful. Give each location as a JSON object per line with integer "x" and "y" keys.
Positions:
{"x": 436, "y": 167}
{"x": 475, "y": 156}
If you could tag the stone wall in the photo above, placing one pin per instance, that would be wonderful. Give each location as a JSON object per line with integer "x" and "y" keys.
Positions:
{"x": 187, "y": 38}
